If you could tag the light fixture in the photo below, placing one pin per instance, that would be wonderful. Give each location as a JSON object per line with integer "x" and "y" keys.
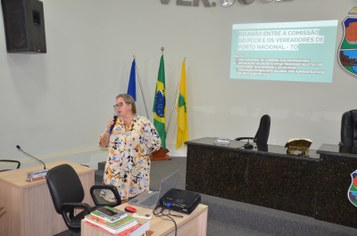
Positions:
{"x": 227, "y": 3}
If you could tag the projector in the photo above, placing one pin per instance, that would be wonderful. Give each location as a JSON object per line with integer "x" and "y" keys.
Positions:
{"x": 181, "y": 200}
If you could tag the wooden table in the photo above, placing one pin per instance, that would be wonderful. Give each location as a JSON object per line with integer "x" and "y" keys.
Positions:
{"x": 190, "y": 225}
{"x": 28, "y": 205}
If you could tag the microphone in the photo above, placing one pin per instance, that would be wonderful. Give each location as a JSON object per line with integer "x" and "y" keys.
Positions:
{"x": 34, "y": 175}
{"x": 115, "y": 117}
{"x": 44, "y": 165}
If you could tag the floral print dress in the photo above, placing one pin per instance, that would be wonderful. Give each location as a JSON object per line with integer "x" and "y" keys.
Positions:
{"x": 128, "y": 161}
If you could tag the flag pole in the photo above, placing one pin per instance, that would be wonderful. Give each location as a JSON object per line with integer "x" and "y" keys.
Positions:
{"x": 173, "y": 107}
{"x": 141, "y": 90}
{"x": 174, "y": 103}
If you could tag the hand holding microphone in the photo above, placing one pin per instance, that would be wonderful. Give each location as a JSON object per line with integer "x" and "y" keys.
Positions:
{"x": 111, "y": 123}
{"x": 104, "y": 138}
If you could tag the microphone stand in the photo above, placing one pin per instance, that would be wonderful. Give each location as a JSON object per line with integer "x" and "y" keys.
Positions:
{"x": 34, "y": 175}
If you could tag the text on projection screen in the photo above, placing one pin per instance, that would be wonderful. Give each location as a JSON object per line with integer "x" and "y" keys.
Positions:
{"x": 285, "y": 51}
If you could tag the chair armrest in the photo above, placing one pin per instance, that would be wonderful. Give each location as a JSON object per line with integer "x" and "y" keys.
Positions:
{"x": 69, "y": 213}
{"x": 99, "y": 200}
{"x": 243, "y": 138}
{"x": 12, "y": 161}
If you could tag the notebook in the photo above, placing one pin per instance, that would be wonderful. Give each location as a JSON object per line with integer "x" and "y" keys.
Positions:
{"x": 151, "y": 199}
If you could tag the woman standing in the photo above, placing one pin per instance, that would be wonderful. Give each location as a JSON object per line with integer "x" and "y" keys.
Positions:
{"x": 130, "y": 144}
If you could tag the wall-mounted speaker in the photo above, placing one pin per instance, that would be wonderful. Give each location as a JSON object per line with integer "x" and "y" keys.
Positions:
{"x": 24, "y": 26}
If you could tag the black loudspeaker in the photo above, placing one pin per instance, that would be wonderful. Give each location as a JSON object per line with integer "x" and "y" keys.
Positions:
{"x": 24, "y": 26}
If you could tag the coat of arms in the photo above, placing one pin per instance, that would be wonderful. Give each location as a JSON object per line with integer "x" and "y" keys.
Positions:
{"x": 352, "y": 191}
{"x": 347, "y": 55}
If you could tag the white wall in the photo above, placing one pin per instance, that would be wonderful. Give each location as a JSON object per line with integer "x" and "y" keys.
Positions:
{"x": 57, "y": 104}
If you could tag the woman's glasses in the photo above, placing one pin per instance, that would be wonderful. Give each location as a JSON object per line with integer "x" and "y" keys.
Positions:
{"x": 119, "y": 104}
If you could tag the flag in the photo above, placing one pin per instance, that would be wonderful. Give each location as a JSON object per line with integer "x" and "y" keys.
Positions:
{"x": 132, "y": 80}
{"x": 159, "y": 104}
{"x": 182, "y": 120}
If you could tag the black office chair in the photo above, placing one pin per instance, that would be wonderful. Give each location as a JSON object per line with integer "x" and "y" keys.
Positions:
{"x": 262, "y": 135}
{"x": 349, "y": 129}
{"x": 67, "y": 195}
{"x": 10, "y": 161}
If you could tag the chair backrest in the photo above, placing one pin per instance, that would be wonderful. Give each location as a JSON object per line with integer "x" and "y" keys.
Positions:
{"x": 262, "y": 135}
{"x": 64, "y": 185}
{"x": 349, "y": 129}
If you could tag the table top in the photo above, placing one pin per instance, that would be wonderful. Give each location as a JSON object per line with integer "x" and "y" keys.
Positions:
{"x": 238, "y": 145}
{"x": 18, "y": 177}
{"x": 337, "y": 150}
{"x": 159, "y": 226}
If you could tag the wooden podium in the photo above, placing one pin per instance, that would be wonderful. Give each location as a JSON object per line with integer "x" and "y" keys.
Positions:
{"x": 160, "y": 155}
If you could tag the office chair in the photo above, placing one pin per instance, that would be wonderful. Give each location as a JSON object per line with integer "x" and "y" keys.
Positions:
{"x": 10, "y": 161}
{"x": 67, "y": 195}
{"x": 349, "y": 129}
{"x": 262, "y": 135}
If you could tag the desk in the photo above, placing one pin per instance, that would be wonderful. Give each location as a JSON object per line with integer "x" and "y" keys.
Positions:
{"x": 194, "y": 224}
{"x": 314, "y": 186}
{"x": 335, "y": 170}
{"x": 267, "y": 177}
{"x": 28, "y": 205}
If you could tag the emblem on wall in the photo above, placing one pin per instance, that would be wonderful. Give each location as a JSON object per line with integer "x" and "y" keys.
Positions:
{"x": 352, "y": 191}
{"x": 347, "y": 52}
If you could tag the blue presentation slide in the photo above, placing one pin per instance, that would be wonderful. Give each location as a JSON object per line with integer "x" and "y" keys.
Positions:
{"x": 286, "y": 51}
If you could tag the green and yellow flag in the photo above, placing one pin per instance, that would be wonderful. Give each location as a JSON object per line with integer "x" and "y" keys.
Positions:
{"x": 182, "y": 120}
{"x": 160, "y": 103}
